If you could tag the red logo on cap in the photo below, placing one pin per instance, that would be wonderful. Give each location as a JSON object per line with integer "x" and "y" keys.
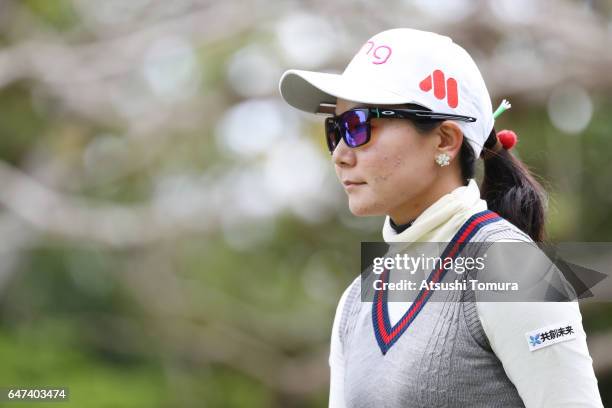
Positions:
{"x": 441, "y": 87}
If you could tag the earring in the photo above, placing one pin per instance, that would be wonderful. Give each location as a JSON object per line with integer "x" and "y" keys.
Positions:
{"x": 443, "y": 159}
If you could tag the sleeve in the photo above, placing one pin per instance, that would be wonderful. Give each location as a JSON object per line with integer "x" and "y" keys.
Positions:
{"x": 336, "y": 358}
{"x": 556, "y": 372}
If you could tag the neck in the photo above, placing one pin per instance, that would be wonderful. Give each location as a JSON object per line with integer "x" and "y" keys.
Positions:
{"x": 401, "y": 227}
{"x": 411, "y": 210}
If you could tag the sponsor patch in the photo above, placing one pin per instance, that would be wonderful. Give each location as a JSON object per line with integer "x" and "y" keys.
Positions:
{"x": 549, "y": 335}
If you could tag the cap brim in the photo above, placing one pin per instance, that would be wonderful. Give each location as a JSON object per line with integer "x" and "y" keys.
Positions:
{"x": 306, "y": 90}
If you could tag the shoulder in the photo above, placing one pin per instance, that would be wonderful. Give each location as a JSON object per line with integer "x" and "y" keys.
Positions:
{"x": 348, "y": 296}
{"x": 339, "y": 326}
{"x": 501, "y": 230}
{"x": 349, "y": 300}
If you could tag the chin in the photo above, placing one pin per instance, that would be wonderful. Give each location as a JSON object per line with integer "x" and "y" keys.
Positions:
{"x": 362, "y": 208}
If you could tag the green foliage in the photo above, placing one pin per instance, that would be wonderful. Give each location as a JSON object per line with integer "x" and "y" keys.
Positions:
{"x": 59, "y": 14}
{"x": 20, "y": 125}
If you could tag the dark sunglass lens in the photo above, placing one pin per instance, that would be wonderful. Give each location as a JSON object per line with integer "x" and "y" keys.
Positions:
{"x": 331, "y": 134}
{"x": 355, "y": 127}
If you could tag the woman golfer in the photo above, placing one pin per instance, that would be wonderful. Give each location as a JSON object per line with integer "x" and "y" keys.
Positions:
{"x": 410, "y": 115}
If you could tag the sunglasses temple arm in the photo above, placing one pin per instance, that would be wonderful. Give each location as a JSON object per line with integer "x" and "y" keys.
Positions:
{"x": 446, "y": 116}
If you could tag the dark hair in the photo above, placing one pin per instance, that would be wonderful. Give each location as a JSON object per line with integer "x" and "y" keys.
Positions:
{"x": 511, "y": 190}
{"x": 508, "y": 186}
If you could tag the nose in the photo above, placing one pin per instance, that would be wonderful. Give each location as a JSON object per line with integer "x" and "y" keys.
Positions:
{"x": 344, "y": 156}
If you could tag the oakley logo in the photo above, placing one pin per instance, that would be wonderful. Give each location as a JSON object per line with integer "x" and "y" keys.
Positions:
{"x": 442, "y": 88}
{"x": 380, "y": 54}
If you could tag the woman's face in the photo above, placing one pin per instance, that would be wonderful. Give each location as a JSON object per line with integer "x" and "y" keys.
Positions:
{"x": 391, "y": 174}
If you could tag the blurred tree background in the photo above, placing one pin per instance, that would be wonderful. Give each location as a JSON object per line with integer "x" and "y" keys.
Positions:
{"x": 173, "y": 233}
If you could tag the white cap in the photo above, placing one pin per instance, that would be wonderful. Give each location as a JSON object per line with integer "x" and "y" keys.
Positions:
{"x": 401, "y": 66}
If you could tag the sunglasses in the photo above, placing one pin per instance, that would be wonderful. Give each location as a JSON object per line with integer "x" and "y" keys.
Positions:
{"x": 353, "y": 126}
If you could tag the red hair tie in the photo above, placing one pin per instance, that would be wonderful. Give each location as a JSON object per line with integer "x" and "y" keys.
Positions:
{"x": 507, "y": 138}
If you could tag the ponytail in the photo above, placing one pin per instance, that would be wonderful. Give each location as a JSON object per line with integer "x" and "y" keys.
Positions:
{"x": 511, "y": 190}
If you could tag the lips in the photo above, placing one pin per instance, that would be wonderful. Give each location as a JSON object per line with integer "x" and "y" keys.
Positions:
{"x": 347, "y": 183}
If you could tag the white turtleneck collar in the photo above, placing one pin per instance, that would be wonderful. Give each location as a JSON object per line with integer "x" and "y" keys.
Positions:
{"x": 441, "y": 220}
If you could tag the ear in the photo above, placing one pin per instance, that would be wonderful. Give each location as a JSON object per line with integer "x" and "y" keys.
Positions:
{"x": 451, "y": 138}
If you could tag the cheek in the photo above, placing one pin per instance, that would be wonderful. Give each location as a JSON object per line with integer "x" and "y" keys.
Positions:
{"x": 401, "y": 164}
{"x": 400, "y": 178}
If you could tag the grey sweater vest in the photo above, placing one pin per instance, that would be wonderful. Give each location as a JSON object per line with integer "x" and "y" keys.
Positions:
{"x": 443, "y": 359}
